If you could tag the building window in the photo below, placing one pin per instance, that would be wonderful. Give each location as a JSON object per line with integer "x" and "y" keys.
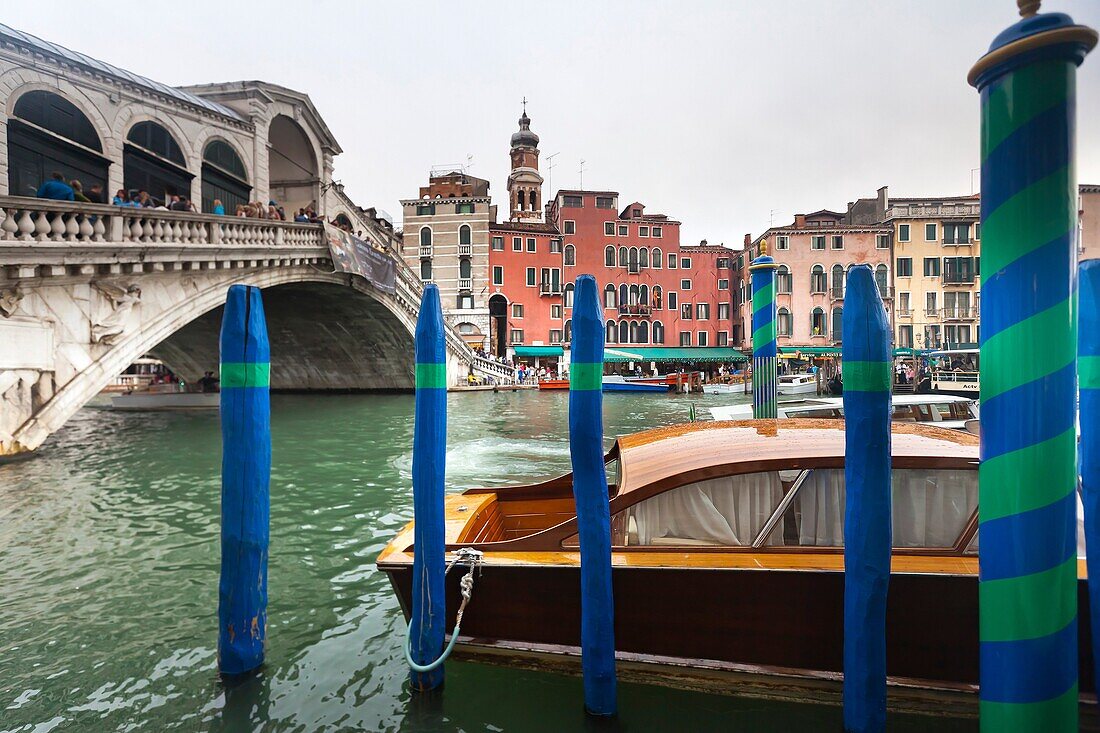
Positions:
{"x": 685, "y": 311}
{"x": 555, "y": 336}
{"x": 609, "y": 256}
{"x": 882, "y": 241}
{"x": 498, "y": 244}
{"x": 817, "y": 279}
{"x": 624, "y": 298}
{"x": 611, "y": 332}
{"x": 530, "y": 277}
{"x": 672, "y": 301}
{"x": 723, "y": 338}
{"x": 817, "y": 322}
{"x": 783, "y": 322}
{"x": 609, "y": 296}
{"x": 782, "y": 241}
{"x": 657, "y": 232}
{"x": 931, "y": 266}
{"x": 685, "y": 285}
{"x": 838, "y": 241}
{"x": 425, "y": 237}
{"x": 517, "y": 336}
{"x": 570, "y": 227}
{"x": 702, "y": 338}
{"x": 817, "y": 241}
{"x": 464, "y": 234}
{"x": 685, "y": 338}
{"x": 723, "y": 284}
{"x": 904, "y": 267}
{"x": 956, "y": 234}
{"x": 722, "y": 263}
{"x": 609, "y": 228}
{"x": 685, "y": 263}
{"x": 466, "y": 207}
{"x": 464, "y": 268}
{"x": 569, "y": 299}
{"x": 930, "y": 232}
{"x": 555, "y": 310}
{"x": 605, "y": 202}
{"x": 570, "y": 255}
{"x": 632, "y": 259}
{"x": 903, "y": 232}
{"x": 426, "y": 270}
{"x": 465, "y": 302}
{"x": 702, "y": 312}
{"x": 517, "y": 310}
{"x": 977, "y": 230}
{"x": 517, "y": 244}
{"x": 568, "y": 331}
{"x": 784, "y": 282}
{"x": 657, "y": 258}
{"x": 572, "y": 202}
{"x": 643, "y": 231}
{"x": 880, "y": 280}
{"x": 723, "y": 311}
{"x": 643, "y": 257}
{"x": 624, "y": 332}
{"x": 672, "y": 260}
{"x": 623, "y": 256}
{"x": 498, "y": 274}
{"x": 930, "y": 307}
{"x": 658, "y": 332}
{"x": 623, "y": 230}
{"x": 959, "y": 270}
{"x": 425, "y": 209}
{"x": 530, "y": 244}
{"x": 905, "y": 337}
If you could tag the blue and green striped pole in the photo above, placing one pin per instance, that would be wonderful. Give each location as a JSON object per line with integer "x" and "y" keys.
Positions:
{"x": 1027, "y": 479}
{"x": 865, "y": 333}
{"x": 765, "y": 379}
{"x": 1088, "y": 382}
{"x": 246, "y": 473}
{"x": 429, "y": 466}
{"x": 590, "y": 495}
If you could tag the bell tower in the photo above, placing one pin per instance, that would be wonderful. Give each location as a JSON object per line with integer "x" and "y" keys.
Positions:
{"x": 524, "y": 181}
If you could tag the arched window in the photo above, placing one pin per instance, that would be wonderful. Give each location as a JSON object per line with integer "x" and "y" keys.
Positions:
{"x": 609, "y": 256}
{"x": 223, "y": 177}
{"x": 154, "y": 138}
{"x": 569, "y": 331}
{"x": 643, "y": 295}
{"x": 622, "y": 256}
{"x": 633, "y": 261}
{"x": 623, "y": 297}
{"x": 634, "y": 295}
{"x": 624, "y": 332}
{"x": 634, "y": 333}
{"x": 643, "y": 332}
{"x": 838, "y": 281}
{"x": 838, "y": 323}
{"x": 426, "y": 270}
{"x": 570, "y": 255}
{"x": 643, "y": 257}
{"x": 533, "y": 200}
{"x": 817, "y": 279}
{"x": 48, "y": 134}
{"x": 568, "y": 296}
{"x": 152, "y": 161}
{"x": 464, "y": 234}
{"x": 464, "y": 268}
{"x": 611, "y": 332}
{"x": 658, "y": 332}
{"x": 784, "y": 281}
{"x": 425, "y": 236}
{"x": 656, "y": 258}
{"x": 817, "y": 322}
{"x": 519, "y": 200}
{"x": 343, "y": 222}
{"x": 783, "y": 323}
{"x": 609, "y": 296}
{"x": 880, "y": 279}
{"x": 656, "y": 299}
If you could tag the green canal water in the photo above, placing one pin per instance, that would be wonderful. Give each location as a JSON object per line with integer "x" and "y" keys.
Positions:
{"x": 109, "y": 573}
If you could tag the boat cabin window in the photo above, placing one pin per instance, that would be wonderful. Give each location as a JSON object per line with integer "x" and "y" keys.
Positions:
{"x": 822, "y": 412}
{"x": 931, "y": 507}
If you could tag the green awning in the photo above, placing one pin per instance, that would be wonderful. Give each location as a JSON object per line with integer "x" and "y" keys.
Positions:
{"x": 906, "y": 351}
{"x": 628, "y": 352}
{"x": 811, "y": 350}
{"x": 539, "y": 350}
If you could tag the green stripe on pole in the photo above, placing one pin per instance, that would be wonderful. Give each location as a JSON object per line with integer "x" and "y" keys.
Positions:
{"x": 1041, "y": 337}
{"x": 1058, "y": 589}
{"x": 431, "y": 376}
{"x": 1030, "y": 475}
{"x": 1043, "y": 95}
{"x": 245, "y": 374}
{"x": 765, "y": 296}
{"x": 764, "y": 334}
{"x": 1057, "y": 714}
{"x": 1016, "y": 228}
{"x": 585, "y": 376}
{"x": 867, "y": 376}
{"x": 1088, "y": 372}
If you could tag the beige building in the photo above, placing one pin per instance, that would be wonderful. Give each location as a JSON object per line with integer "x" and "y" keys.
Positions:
{"x": 1088, "y": 241}
{"x": 446, "y": 240}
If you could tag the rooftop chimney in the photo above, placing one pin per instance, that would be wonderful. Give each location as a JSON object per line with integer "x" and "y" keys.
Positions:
{"x": 799, "y": 221}
{"x": 748, "y": 239}
{"x": 883, "y": 202}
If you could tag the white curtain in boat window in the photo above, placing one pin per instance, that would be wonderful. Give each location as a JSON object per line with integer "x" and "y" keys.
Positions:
{"x": 724, "y": 511}
{"x": 931, "y": 506}
{"x": 819, "y": 507}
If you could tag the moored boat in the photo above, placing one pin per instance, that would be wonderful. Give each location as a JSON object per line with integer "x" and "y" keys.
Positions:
{"x": 616, "y": 383}
{"x": 944, "y": 411}
{"x": 729, "y": 564}
{"x": 797, "y": 384}
{"x": 166, "y": 397}
{"x": 553, "y": 384}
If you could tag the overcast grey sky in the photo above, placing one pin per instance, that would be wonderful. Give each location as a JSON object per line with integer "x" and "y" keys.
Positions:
{"x": 716, "y": 113}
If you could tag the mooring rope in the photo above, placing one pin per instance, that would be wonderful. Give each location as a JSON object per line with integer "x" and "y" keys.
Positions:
{"x": 471, "y": 558}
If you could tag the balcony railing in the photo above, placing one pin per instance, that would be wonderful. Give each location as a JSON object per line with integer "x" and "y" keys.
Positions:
{"x": 918, "y": 211}
{"x": 905, "y": 312}
{"x": 817, "y": 289}
{"x": 960, "y": 313}
{"x": 958, "y": 278}
{"x": 633, "y": 268}
{"x": 885, "y": 293}
{"x": 465, "y": 250}
{"x": 549, "y": 289}
{"x": 932, "y": 312}
{"x": 426, "y": 251}
{"x": 465, "y": 283}
{"x": 635, "y": 310}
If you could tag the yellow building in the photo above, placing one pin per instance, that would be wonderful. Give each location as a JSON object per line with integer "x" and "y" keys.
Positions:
{"x": 937, "y": 270}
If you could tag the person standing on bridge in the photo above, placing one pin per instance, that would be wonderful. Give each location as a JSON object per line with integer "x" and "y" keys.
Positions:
{"x": 56, "y": 189}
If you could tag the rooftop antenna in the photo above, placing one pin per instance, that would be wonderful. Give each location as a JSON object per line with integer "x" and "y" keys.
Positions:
{"x": 469, "y": 161}
{"x": 550, "y": 172}
{"x": 771, "y": 217}
{"x": 582, "y": 173}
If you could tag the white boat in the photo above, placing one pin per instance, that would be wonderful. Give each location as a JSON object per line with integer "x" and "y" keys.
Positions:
{"x": 798, "y": 384}
{"x": 720, "y": 388}
{"x": 165, "y": 397}
{"x": 945, "y": 411}
{"x": 956, "y": 371}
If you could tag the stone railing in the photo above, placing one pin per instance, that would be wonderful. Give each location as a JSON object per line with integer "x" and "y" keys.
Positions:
{"x": 44, "y": 220}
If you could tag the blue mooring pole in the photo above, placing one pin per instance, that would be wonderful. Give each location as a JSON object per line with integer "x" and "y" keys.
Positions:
{"x": 867, "y": 528}
{"x": 246, "y": 473}
{"x": 1027, "y": 479}
{"x": 1088, "y": 382}
{"x": 765, "y": 378}
{"x": 428, "y": 472}
{"x": 590, "y": 495}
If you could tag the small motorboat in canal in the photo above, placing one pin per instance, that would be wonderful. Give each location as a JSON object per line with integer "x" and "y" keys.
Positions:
{"x": 727, "y": 555}
{"x": 165, "y": 397}
{"x": 797, "y": 384}
{"x": 616, "y": 383}
{"x": 943, "y": 411}
{"x": 553, "y": 384}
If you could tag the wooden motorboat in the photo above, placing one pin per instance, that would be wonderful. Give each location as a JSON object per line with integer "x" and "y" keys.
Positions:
{"x": 165, "y": 397}
{"x": 553, "y": 384}
{"x": 944, "y": 411}
{"x": 616, "y": 383}
{"x": 728, "y": 564}
{"x": 797, "y": 384}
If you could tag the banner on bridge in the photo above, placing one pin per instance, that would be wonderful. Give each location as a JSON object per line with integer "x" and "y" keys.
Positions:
{"x": 357, "y": 256}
